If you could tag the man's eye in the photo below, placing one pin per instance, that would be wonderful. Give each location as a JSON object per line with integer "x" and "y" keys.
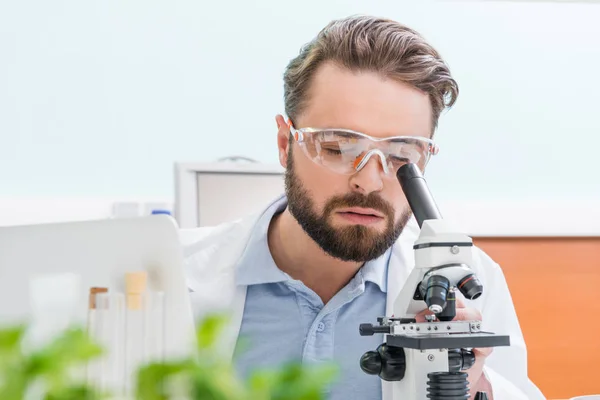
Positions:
{"x": 332, "y": 150}
{"x": 400, "y": 160}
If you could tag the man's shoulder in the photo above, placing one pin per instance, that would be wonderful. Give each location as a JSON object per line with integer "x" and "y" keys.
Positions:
{"x": 195, "y": 240}
{"x": 206, "y": 251}
{"x": 192, "y": 236}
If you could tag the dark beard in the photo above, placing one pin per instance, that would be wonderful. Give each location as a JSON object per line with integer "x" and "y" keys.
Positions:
{"x": 357, "y": 243}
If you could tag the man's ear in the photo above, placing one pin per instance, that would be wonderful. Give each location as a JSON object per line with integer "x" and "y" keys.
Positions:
{"x": 283, "y": 140}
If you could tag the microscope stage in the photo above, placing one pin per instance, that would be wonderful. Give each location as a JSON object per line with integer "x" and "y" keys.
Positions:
{"x": 448, "y": 341}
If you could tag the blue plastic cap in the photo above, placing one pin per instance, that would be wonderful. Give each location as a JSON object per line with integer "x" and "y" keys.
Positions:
{"x": 157, "y": 212}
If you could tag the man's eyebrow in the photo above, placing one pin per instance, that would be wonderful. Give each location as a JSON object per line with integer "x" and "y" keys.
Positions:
{"x": 340, "y": 132}
{"x": 345, "y": 134}
{"x": 405, "y": 139}
{"x": 413, "y": 141}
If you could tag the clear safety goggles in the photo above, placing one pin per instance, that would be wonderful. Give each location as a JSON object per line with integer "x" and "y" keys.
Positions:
{"x": 347, "y": 152}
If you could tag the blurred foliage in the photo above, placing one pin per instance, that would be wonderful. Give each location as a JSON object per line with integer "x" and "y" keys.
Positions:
{"x": 211, "y": 376}
{"x": 207, "y": 375}
{"x": 48, "y": 369}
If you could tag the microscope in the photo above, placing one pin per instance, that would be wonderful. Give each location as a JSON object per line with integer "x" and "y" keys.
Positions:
{"x": 428, "y": 360}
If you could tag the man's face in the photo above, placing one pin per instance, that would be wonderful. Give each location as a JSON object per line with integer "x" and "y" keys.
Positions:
{"x": 353, "y": 217}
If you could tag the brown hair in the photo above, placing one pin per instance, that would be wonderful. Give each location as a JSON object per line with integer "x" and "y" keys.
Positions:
{"x": 371, "y": 44}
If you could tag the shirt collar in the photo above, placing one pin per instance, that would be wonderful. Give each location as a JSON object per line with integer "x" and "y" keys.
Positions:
{"x": 256, "y": 266}
{"x": 376, "y": 270}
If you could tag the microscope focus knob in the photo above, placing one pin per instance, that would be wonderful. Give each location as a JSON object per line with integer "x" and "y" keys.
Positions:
{"x": 460, "y": 359}
{"x": 370, "y": 329}
{"x": 387, "y": 362}
{"x": 370, "y": 362}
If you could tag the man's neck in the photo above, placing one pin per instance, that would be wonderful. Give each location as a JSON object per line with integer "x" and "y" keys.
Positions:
{"x": 296, "y": 254}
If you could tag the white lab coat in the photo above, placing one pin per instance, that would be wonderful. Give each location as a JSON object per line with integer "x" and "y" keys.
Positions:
{"x": 212, "y": 253}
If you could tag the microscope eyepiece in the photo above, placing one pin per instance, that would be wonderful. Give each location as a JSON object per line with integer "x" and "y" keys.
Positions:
{"x": 470, "y": 287}
{"x": 417, "y": 193}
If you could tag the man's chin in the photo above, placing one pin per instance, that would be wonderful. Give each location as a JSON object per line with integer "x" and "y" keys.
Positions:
{"x": 365, "y": 232}
{"x": 355, "y": 252}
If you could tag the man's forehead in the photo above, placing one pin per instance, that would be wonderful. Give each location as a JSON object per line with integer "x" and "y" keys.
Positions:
{"x": 366, "y": 102}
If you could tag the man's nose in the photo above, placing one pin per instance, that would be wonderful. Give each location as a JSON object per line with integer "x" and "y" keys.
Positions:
{"x": 369, "y": 177}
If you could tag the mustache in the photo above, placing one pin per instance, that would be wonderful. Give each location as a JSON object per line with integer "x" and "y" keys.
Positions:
{"x": 373, "y": 200}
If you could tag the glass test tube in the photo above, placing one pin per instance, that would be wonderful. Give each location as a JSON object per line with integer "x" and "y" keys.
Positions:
{"x": 154, "y": 326}
{"x": 144, "y": 334}
{"x": 110, "y": 334}
{"x": 134, "y": 343}
{"x": 144, "y": 326}
{"x": 94, "y": 331}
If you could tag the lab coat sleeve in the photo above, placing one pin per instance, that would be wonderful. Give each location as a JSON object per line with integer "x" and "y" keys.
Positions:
{"x": 506, "y": 367}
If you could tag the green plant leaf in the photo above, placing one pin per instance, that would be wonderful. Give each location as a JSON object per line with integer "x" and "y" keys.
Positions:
{"x": 158, "y": 381}
{"x": 78, "y": 392}
{"x": 54, "y": 362}
{"x": 210, "y": 330}
{"x": 293, "y": 381}
{"x": 14, "y": 384}
{"x": 11, "y": 337}
{"x": 217, "y": 382}
{"x": 10, "y": 345}
{"x": 209, "y": 375}
{"x": 49, "y": 366}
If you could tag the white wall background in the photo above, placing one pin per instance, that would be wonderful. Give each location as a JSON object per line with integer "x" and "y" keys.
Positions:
{"x": 100, "y": 98}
